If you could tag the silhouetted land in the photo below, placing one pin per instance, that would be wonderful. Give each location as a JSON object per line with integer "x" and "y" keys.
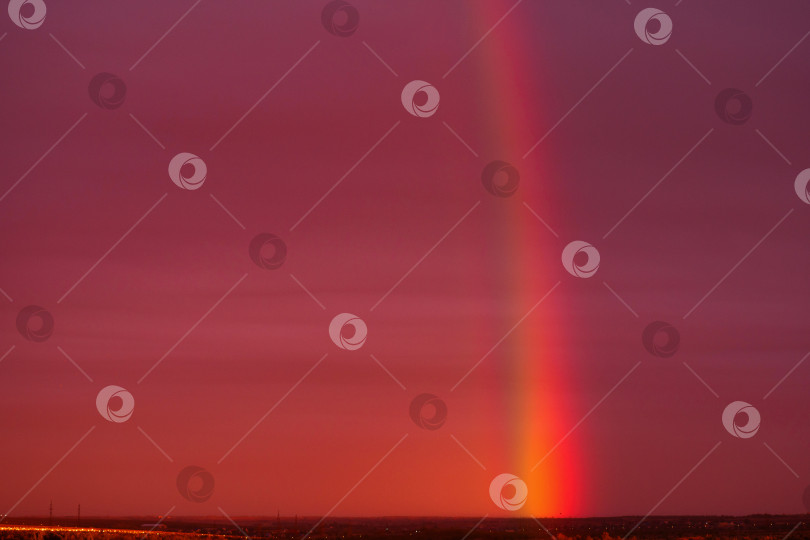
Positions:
{"x": 794, "y": 527}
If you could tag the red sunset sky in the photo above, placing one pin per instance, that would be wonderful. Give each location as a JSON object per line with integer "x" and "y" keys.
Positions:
{"x": 135, "y": 270}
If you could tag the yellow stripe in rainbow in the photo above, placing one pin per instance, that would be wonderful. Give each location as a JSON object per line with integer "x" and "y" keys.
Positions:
{"x": 533, "y": 376}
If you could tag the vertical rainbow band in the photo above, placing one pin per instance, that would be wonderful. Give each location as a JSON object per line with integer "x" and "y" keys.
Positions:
{"x": 533, "y": 378}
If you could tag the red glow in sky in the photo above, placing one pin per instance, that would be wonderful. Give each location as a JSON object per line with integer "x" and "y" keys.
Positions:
{"x": 208, "y": 301}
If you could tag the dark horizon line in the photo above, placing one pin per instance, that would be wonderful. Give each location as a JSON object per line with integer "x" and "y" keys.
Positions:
{"x": 447, "y": 517}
